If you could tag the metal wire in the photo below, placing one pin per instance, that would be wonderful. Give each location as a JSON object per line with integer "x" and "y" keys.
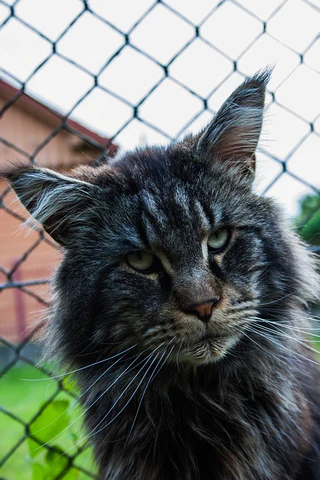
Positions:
{"x": 10, "y": 282}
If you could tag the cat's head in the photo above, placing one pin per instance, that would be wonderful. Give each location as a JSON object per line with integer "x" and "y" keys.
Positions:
{"x": 166, "y": 246}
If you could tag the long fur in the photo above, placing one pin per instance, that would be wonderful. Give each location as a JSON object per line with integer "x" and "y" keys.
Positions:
{"x": 168, "y": 396}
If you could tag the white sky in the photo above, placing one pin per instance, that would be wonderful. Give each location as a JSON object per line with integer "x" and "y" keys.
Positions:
{"x": 231, "y": 31}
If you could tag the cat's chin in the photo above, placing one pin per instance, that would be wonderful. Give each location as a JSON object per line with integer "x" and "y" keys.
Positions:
{"x": 207, "y": 350}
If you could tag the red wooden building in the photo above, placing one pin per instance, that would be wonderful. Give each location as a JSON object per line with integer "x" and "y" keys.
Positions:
{"x": 25, "y": 125}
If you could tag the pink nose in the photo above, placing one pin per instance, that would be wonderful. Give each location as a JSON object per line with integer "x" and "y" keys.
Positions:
{"x": 204, "y": 310}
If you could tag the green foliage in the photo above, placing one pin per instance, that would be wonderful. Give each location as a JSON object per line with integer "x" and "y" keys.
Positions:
{"x": 51, "y": 422}
{"x": 53, "y": 465}
{"x": 308, "y": 221}
{"x": 47, "y": 428}
{"x": 53, "y": 448}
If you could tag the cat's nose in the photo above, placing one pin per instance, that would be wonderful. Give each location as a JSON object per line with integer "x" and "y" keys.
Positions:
{"x": 204, "y": 310}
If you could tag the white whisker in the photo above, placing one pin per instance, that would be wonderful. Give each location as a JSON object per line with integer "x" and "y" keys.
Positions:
{"x": 93, "y": 403}
{"x": 277, "y": 300}
{"x": 152, "y": 376}
{"x": 289, "y": 326}
{"x": 78, "y": 369}
{"x": 284, "y": 335}
{"x": 270, "y": 338}
{"x": 77, "y": 401}
{"x": 144, "y": 361}
{"x": 270, "y": 354}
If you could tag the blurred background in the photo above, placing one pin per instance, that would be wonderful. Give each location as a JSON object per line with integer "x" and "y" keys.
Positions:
{"x": 81, "y": 79}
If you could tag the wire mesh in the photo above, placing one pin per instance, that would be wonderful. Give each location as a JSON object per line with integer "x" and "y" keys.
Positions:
{"x": 193, "y": 31}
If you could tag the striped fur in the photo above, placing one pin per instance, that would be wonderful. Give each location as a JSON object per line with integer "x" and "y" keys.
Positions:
{"x": 167, "y": 395}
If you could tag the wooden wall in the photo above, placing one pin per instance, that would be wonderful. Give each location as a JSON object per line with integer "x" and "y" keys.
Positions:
{"x": 27, "y": 124}
{"x": 31, "y": 258}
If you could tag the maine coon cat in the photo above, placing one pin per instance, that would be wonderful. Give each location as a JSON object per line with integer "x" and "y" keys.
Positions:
{"x": 182, "y": 301}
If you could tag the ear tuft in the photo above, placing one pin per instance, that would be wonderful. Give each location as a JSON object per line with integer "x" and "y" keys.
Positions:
{"x": 234, "y": 133}
{"x": 56, "y": 201}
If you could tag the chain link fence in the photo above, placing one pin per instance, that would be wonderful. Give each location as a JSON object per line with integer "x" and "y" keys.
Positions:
{"x": 175, "y": 41}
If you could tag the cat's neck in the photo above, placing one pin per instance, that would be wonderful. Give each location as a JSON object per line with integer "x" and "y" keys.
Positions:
{"x": 211, "y": 408}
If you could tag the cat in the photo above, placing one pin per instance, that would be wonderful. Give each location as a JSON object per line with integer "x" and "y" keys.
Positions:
{"x": 182, "y": 303}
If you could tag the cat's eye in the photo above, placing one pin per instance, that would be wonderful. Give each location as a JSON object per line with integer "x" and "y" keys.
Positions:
{"x": 144, "y": 262}
{"x": 218, "y": 240}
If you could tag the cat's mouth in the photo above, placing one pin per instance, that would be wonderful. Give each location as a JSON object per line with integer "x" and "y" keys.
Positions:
{"x": 208, "y": 349}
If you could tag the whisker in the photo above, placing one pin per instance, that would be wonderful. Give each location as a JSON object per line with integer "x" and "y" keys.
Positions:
{"x": 288, "y": 325}
{"x": 262, "y": 348}
{"x": 285, "y": 335}
{"x": 78, "y": 369}
{"x": 277, "y": 300}
{"x": 93, "y": 403}
{"x": 77, "y": 400}
{"x": 152, "y": 376}
{"x": 271, "y": 339}
{"x": 115, "y": 403}
{"x": 254, "y": 304}
{"x": 144, "y": 361}
{"x": 177, "y": 357}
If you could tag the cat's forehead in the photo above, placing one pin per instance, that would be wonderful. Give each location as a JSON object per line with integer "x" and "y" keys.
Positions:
{"x": 179, "y": 207}
{"x": 173, "y": 224}
{"x": 168, "y": 198}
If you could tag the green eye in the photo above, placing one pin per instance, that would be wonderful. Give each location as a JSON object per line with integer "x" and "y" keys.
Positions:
{"x": 142, "y": 261}
{"x": 218, "y": 240}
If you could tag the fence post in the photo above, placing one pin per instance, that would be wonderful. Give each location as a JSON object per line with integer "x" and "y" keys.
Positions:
{"x": 19, "y": 306}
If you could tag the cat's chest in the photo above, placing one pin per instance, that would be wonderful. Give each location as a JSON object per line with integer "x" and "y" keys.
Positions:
{"x": 181, "y": 437}
{"x": 192, "y": 435}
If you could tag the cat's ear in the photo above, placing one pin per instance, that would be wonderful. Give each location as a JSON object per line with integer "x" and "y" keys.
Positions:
{"x": 232, "y": 136}
{"x": 57, "y": 201}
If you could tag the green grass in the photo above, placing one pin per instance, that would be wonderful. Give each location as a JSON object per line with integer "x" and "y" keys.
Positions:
{"x": 23, "y": 391}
